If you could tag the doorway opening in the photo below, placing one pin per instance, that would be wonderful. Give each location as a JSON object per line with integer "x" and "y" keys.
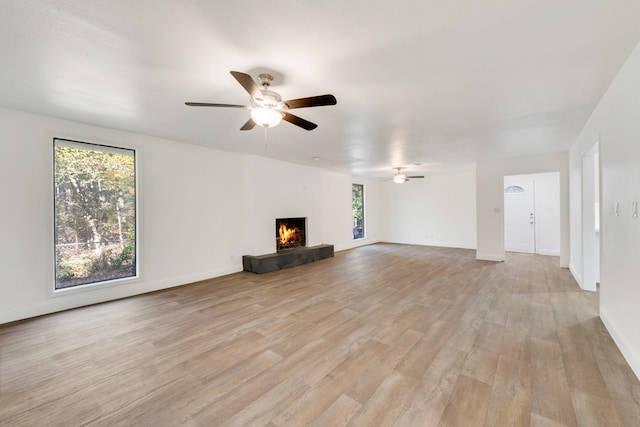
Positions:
{"x": 532, "y": 213}
{"x": 591, "y": 218}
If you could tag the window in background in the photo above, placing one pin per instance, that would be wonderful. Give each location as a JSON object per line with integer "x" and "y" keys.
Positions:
{"x": 357, "y": 201}
{"x": 95, "y": 213}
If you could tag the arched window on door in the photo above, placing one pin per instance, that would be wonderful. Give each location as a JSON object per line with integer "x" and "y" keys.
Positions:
{"x": 514, "y": 189}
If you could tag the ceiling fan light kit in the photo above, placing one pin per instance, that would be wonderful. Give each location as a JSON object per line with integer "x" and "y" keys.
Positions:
{"x": 400, "y": 177}
{"x": 266, "y": 117}
{"x": 267, "y": 108}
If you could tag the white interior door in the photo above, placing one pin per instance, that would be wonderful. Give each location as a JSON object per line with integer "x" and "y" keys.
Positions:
{"x": 519, "y": 217}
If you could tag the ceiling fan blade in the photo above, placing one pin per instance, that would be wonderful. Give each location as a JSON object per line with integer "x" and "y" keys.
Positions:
{"x": 208, "y": 104}
{"x": 312, "y": 101}
{"x": 417, "y": 176}
{"x": 250, "y": 124}
{"x": 304, "y": 124}
{"x": 248, "y": 84}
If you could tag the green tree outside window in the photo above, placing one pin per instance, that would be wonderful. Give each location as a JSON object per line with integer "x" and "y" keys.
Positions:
{"x": 357, "y": 200}
{"x": 95, "y": 213}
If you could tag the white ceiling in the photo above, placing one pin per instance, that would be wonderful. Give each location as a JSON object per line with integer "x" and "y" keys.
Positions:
{"x": 438, "y": 83}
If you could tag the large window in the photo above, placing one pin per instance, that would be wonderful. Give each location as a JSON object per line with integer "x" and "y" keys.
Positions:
{"x": 357, "y": 201}
{"x": 95, "y": 213}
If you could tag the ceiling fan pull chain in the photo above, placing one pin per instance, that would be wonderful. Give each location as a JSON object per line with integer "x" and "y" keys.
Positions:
{"x": 265, "y": 138}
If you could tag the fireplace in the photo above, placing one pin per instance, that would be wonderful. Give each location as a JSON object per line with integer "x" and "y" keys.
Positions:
{"x": 290, "y": 233}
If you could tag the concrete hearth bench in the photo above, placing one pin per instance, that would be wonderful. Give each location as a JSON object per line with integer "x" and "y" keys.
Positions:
{"x": 285, "y": 259}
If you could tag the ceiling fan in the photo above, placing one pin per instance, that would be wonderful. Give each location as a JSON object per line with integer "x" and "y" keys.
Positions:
{"x": 267, "y": 107}
{"x": 400, "y": 177}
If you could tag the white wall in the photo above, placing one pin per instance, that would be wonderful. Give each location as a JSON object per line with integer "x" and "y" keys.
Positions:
{"x": 276, "y": 189}
{"x": 490, "y": 200}
{"x": 279, "y": 190}
{"x": 439, "y": 210}
{"x": 546, "y": 208}
{"x": 194, "y": 221}
{"x": 336, "y": 196}
{"x": 615, "y": 125}
{"x": 181, "y": 225}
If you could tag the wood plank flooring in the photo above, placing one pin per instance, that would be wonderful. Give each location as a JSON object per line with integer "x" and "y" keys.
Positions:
{"x": 382, "y": 335}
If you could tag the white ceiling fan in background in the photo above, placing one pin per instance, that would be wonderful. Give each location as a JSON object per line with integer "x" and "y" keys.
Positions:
{"x": 400, "y": 177}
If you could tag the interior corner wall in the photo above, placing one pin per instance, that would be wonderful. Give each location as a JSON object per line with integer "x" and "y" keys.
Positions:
{"x": 490, "y": 200}
{"x": 439, "y": 210}
{"x": 615, "y": 125}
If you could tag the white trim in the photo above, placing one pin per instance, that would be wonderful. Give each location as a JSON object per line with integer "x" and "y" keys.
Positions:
{"x": 630, "y": 356}
{"x": 575, "y": 275}
{"x": 489, "y": 257}
{"x": 89, "y": 287}
{"x": 60, "y": 304}
{"x": 355, "y": 244}
{"x": 548, "y": 253}
{"x": 455, "y": 245}
{"x": 587, "y": 216}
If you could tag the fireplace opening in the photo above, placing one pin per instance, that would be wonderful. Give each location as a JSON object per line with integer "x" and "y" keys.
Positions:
{"x": 290, "y": 233}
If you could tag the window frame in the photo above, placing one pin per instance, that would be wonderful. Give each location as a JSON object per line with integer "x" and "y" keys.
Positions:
{"x": 364, "y": 228}
{"x": 105, "y": 147}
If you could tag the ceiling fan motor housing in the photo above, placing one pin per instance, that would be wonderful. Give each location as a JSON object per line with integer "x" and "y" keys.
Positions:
{"x": 270, "y": 99}
{"x": 265, "y": 79}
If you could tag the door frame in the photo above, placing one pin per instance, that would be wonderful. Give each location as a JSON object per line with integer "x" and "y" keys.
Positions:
{"x": 589, "y": 179}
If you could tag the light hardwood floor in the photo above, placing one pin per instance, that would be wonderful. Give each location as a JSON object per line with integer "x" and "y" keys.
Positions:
{"x": 380, "y": 335}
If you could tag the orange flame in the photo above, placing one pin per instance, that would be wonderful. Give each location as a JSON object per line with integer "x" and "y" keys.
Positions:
{"x": 286, "y": 234}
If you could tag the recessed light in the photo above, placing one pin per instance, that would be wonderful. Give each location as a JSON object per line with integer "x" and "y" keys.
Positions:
{"x": 316, "y": 158}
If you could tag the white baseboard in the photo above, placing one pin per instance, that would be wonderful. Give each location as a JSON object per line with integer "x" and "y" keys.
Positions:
{"x": 354, "y": 244}
{"x": 437, "y": 244}
{"x": 631, "y": 356}
{"x": 455, "y": 245}
{"x": 547, "y": 253}
{"x": 575, "y": 275}
{"x": 99, "y": 295}
{"x": 489, "y": 257}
